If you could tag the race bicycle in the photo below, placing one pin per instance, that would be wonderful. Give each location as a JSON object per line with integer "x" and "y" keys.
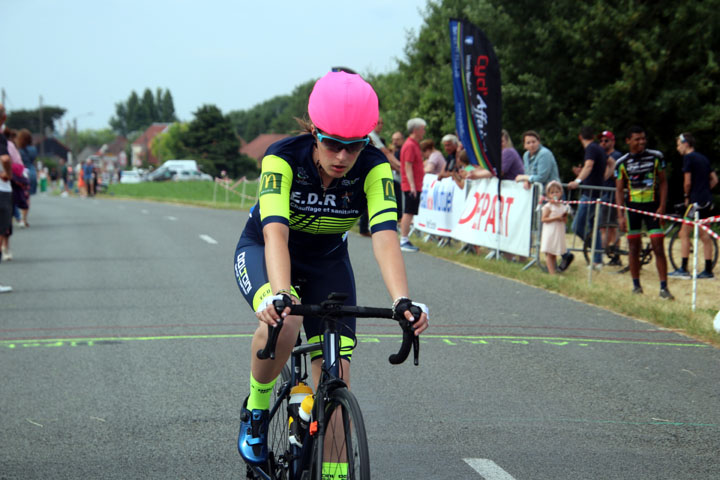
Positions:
{"x": 671, "y": 230}
{"x": 336, "y": 430}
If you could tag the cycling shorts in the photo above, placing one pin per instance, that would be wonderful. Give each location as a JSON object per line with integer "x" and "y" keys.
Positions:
{"x": 315, "y": 278}
{"x": 704, "y": 211}
{"x": 635, "y": 220}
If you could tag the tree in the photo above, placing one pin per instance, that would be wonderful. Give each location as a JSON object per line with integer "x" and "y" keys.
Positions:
{"x": 30, "y": 119}
{"x": 169, "y": 145}
{"x": 136, "y": 114}
{"x": 211, "y": 139}
{"x": 609, "y": 64}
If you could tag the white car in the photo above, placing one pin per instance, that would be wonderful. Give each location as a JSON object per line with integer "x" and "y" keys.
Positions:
{"x": 186, "y": 174}
{"x": 131, "y": 176}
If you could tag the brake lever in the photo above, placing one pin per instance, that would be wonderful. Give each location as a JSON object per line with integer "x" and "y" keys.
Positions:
{"x": 273, "y": 334}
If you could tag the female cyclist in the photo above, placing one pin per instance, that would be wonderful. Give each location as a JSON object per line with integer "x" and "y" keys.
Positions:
{"x": 313, "y": 189}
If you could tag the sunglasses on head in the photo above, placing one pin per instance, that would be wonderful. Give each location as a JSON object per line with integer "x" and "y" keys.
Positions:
{"x": 335, "y": 145}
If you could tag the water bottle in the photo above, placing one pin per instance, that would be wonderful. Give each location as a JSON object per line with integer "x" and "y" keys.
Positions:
{"x": 299, "y": 409}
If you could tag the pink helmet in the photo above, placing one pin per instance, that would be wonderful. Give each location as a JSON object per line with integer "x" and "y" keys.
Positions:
{"x": 343, "y": 104}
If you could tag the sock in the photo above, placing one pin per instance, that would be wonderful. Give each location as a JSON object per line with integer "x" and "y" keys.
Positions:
{"x": 636, "y": 282}
{"x": 708, "y": 266}
{"x": 259, "y": 398}
{"x": 684, "y": 264}
{"x": 404, "y": 239}
{"x": 663, "y": 284}
{"x": 334, "y": 471}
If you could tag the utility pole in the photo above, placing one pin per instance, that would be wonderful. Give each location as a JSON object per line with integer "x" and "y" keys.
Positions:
{"x": 42, "y": 130}
{"x": 3, "y": 96}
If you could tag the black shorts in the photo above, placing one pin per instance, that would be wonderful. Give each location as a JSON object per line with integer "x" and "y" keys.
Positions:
{"x": 635, "y": 220}
{"x": 411, "y": 203}
{"x": 6, "y": 212}
{"x": 315, "y": 278}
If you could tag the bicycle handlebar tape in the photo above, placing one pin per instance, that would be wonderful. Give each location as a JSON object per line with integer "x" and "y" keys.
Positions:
{"x": 409, "y": 338}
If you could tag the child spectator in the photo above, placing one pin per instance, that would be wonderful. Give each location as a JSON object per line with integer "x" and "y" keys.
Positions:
{"x": 554, "y": 217}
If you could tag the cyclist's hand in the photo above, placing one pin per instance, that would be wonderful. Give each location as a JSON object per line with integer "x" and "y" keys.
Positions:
{"x": 266, "y": 312}
{"x": 419, "y": 324}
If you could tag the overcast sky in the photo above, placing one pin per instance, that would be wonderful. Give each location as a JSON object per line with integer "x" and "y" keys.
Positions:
{"x": 87, "y": 55}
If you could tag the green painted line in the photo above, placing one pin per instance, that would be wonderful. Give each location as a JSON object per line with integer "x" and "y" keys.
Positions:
{"x": 607, "y": 422}
{"x": 450, "y": 340}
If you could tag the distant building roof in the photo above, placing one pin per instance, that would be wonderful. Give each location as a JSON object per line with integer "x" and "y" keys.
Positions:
{"x": 151, "y": 132}
{"x": 115, "y": 147}
{"x": 256, "y": 149}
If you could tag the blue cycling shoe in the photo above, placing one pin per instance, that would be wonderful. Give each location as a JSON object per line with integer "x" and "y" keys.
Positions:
{"x": 252, "y": 441}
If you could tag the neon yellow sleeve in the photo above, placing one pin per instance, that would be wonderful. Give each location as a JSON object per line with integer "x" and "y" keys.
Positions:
{"x": 275, "y": 182}
{"x": 381, "y": 201}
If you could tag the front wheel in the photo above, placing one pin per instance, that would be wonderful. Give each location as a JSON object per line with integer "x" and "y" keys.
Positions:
{"x": 343, "y": 450}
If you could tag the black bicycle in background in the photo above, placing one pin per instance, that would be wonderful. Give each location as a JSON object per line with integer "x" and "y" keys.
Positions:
{"x": 617, "y": 254}
{"x": 336, "y": 433}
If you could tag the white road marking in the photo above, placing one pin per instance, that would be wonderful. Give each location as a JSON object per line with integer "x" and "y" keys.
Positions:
{"x": 145, "y": 212}
{"x": 171, "y": 218}
{"x": 488, "y": 469}
{"x": 208, "y": 239}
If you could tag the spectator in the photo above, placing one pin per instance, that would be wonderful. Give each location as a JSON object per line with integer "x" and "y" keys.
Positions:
{"x": 512, "y": 164}
{"x": 608, "y": 219}
{"x": 89, "y": 177}
{"x": 642, "y": 171}
{"x": 6, "y": 206}
{"x": 698, "y": 181}
{"x": 451, "y": 146}
{"x": 538, "y": 162}
{"x": 28, "y": 153}
{"x": 397, "y": 140}
{"x": 540, "y": 166}
{"x": 21, "y": 195}
{"x": 554, "y": 218}
{"x": 592, "y": 174}
{"x": 434, "y": 161}
{"x": 411, "y": 171}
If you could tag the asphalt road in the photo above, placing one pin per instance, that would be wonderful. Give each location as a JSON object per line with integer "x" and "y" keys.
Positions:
{"x": 125, "y": 353}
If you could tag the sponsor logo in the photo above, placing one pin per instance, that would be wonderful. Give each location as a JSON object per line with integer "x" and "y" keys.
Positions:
{"x": 313, "y": 199}
{"x": 241, "y": 274}
{"x": 270, "y": 183}
{"x": 389, "y": 190}
{"x": 346, "y": 183}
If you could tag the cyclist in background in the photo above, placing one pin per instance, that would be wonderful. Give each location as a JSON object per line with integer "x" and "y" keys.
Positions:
{"x": 642, "y": 170}
{"x": 313, "y": 189}
{"x": 698, "y": 181}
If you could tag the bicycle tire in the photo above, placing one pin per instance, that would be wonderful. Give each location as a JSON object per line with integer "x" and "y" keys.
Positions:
{"x": 343, "y": 409}
{"x": 674, "y": 250}
{"x": 278, "y": 432}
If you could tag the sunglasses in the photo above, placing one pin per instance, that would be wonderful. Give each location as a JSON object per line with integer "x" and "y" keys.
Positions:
{"x": 336, "y": 145}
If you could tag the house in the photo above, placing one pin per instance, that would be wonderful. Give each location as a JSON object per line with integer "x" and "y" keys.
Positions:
{"x": 112, "y": 155}
{"x": 257, "y": 148}
{"x": 50, "y": 147}
{"x": 142, "y": 147}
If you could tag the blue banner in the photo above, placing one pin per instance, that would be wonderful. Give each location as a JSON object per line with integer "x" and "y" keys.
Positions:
{"x": 478, "y": 97}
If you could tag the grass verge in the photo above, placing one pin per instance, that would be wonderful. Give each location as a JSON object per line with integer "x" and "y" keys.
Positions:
{"x": 608, "y": 289}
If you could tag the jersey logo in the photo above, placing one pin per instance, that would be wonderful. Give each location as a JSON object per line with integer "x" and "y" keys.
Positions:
{"x": 389, "y": 189}
{"x": 270, "y": 183}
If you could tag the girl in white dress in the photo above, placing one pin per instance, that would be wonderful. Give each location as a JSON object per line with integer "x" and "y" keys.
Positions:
{"x": 554, "y": 218}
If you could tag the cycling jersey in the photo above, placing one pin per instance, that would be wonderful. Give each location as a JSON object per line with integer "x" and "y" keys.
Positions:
{"x": 291, "y": 193}
{"x": 640, "y": 171}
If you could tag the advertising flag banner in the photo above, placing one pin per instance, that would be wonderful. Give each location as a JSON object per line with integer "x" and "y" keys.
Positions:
{"x": 478, "y": 100}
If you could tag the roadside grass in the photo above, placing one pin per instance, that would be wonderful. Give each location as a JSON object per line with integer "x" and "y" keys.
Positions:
{"x": 608, "y": 290}
{"x": 206, "y": 194}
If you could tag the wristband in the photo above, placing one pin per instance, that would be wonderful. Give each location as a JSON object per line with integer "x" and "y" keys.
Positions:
{"x": 578, "y": 180}
{"x": 283, "y": 290}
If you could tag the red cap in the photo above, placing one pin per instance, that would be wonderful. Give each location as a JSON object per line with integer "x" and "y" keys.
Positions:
{"x": 608, "y": 134}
